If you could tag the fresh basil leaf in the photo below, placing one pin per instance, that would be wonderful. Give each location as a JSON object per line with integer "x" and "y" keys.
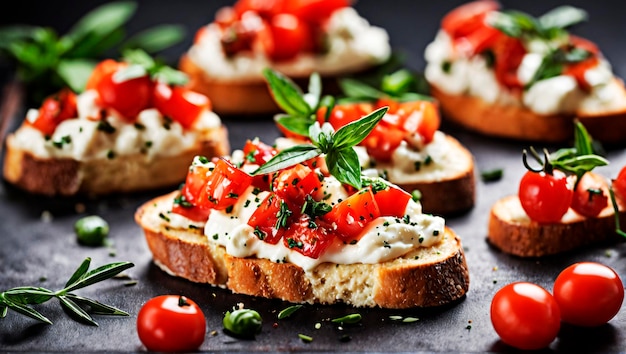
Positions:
{"x": 3, "y": 310}
{"x": 329, "y": 102}
{"x": 293, "y": 124}
{"x": 322, "y": 135}
{"x": 102, "y": 20}
{"x": 157, "y": 38}
{"x": 512, "y": 23}
{"x": 413, "y": 96}
{"x": 344, "y": 165}
{"x": 286, "y": 93}
{"x": 287, "y": 158}
{"x": 16, "y": 33}
{"x": 562, "y": 17}
{"x": 76, "y": 72}
{"x": 354, "y": 132}
{"x": 130, "y": 72}
{"x": 582, "y": 139}
{"x": 170, "y": 76}
{"x": 356, "y": 89}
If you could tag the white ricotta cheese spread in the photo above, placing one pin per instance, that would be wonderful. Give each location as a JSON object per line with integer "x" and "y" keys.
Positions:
{"x": 87, "y": 137}
{"x": 457, "y": 74}
{"x": 353, "y": 45}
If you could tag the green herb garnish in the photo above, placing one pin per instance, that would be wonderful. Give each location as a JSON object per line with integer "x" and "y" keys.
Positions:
{"x": 47, "y": 61}
{"x": 288, "y": 311}
{"x": 18, "y": 299}
{"x": 349, "y": 319}
{"x": 243, "y": 322}
{"x": 492, "y": 175}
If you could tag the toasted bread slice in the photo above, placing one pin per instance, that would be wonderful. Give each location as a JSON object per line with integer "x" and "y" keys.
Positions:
{"x": 124, "y": 173}
{"x": 449, "y": 191}
{"x": 424, "y": 277}
{"x": 512, "y": 231}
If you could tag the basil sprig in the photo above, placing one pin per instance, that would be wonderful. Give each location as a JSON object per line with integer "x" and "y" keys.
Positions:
{"x": 552, "y": 26}
{"x": 576, "y": 160}
{"x": 47, "y": 61}
{"x": 337, "y": 147}
{"x": 18, "y": 299}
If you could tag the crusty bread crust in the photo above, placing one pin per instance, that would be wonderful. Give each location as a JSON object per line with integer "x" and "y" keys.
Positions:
{"x": 516, "y": 122}
{"x": 131, "y": 173}
{"x": 525, "y": 238}
{"x": 425, "y": 277}
{"x": 453, "y": 194}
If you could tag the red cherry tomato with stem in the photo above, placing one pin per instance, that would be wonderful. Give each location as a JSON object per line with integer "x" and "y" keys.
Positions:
{"x": 525, "y": 316}
{"x": 591, "y": 195}
{"x": 589, "y": 294}
{"x": 171, "y": 323}
{"x": 545, "y": 197}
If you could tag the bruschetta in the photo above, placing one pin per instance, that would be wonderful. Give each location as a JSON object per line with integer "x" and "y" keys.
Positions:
{"x": 561, "y": 206}
{"x": 276, "y": 225}
{"x": 228, "y": 55}
{"x": 406, "y": 147}
{"x": 507, "y": 74}
{"x": 128, "y": 131}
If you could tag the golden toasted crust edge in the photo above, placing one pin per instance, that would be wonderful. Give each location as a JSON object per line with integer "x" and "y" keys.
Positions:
{"x": 424, "y": 278}
{"x": 66, "y": 176}
{"x": 515, "y": 122}
{"x": 526, "y": 238}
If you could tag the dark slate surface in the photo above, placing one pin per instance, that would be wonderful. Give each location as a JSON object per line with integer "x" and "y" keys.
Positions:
{"x": 34, "y": 246}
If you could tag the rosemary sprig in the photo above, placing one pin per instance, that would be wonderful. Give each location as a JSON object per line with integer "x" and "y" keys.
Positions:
{"x": 18, "y": 299}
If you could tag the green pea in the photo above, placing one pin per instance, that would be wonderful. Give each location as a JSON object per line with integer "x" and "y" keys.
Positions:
{"x": 91, "y": 230}
{"x": 243, "y": 322}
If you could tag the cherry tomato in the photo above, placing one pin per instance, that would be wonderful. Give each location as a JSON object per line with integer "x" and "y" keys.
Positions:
{"x": 351, "y": 215}
{"x": 265, "y": 8}
{"x": 54, "y": 110}
{"x": 126, "y": 96}
{"x": 179, "y": 103}
{"x": 194, "y": 191}
{"x": 591, "y": 195}
{"x": 383, "y": 140}
{"x": 285, "y": 37}
{"x": 171, "y": 323}
{"x": 467, "y": 28}
{"x": 525, "y": 316}
{"x": 314, "y": 11}
{"x": 311, "y": 238}
{"x": 102, "y": 69}
{"x": 421, "y": 117}
{"x": 264, "y": 220}
{"x": 619, "y": 184}
{"x": 545, "y": 197}
{"x": 588, "y": 293}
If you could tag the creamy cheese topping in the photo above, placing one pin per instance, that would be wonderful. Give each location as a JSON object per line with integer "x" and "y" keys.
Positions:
{"x": 87, "y": 137}
{"x": 458, "y": 74}
{"x": 410, "y": 163}
{"x": 353, "y": 45}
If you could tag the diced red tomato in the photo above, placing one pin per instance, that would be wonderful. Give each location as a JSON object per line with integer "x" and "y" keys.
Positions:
{"x": 577, "y": 70}
{"x": 344, "y": 114}
{"x": 295, "y": 183}
{"x": 265, "y": 8}
{"x": 179, "y": 103}
{"x": 128, "y": 97}
{"x": 508, "y": 53}
{"x": 191, "y": 212}
{"x": 314, "y": 11}
{"x": 351, "y": 215}
{"x": 421, "y": 117}
{"x": 193, "y": 190}
{"x": 257, "y": 152}
{"x": 391, "y": 201}
{"x": 54, "y": 110}
{"x": 619, "y": 184}
{"x": 383, "y": 140}
{"x": 224, "y": 186}
{"x": 265, "y": 217}
{"x": 225, "y": 16}
{"x": 311, "y": 238}
{"x": 285, "y": 37}
{"x": 467, "y": 28}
